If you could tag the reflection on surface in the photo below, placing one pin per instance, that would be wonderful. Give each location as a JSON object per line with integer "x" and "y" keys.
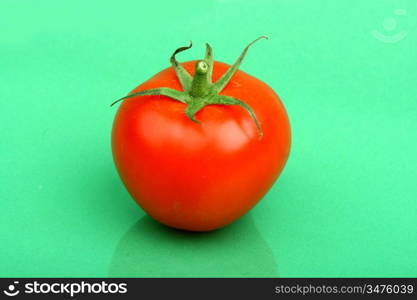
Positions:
{"x": 149, "y": 249}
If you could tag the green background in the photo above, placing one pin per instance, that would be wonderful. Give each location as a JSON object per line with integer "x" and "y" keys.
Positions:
{"x": 345, "y": 205}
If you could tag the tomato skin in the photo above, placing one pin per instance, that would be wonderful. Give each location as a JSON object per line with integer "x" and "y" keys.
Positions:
{"x": 204, "y": 176}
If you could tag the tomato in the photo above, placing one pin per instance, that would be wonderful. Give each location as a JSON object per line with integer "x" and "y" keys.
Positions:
{"x": 200, "y": 169}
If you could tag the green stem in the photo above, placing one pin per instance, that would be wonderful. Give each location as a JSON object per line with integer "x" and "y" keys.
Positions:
{"x": 200, "y": 84}
{"x": 199, "y": 91}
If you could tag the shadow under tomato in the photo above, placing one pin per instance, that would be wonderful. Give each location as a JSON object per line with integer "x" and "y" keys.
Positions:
{"x": 149, "y": 249}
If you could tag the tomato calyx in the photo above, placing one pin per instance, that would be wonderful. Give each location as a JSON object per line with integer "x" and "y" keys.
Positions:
{"x": 199, "y": 91}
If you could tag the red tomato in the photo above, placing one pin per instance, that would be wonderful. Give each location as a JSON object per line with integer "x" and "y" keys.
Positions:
{"x": 200, "y": 176}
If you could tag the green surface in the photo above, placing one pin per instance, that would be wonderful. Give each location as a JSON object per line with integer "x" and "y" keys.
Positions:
{"x": 345, "y": 205}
